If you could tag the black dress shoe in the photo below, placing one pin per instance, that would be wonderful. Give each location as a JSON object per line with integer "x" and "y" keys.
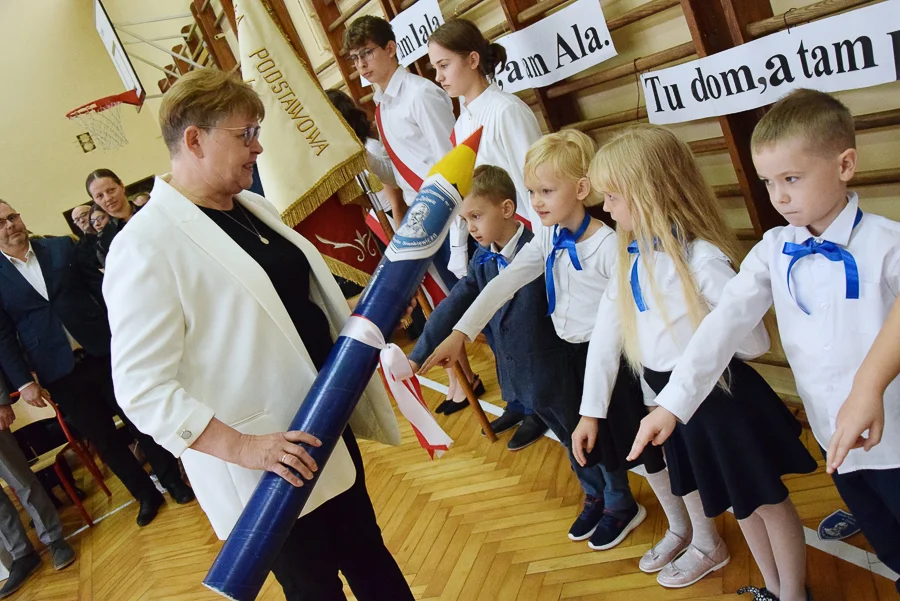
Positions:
{"x": 62, "y": 553}
{"x": 531, "y": 431}
{"x": 443, "y": 406}
{"x": 477, "y": 385}
{"x": 507, "y": 421}
{"x": 181, "y": 492}
{"x": 452, "y": 407}
{"x": 149, "y": 508}
{"x": 19, "y": 572}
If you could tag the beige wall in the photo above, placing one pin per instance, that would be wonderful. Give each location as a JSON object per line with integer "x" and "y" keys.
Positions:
{"x": 53, "y": 61}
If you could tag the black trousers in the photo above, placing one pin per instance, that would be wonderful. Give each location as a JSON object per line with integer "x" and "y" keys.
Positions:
{"x": 340, "y": 536}
{"x": 88, "y": 402}
{"x": 873, "y": 497}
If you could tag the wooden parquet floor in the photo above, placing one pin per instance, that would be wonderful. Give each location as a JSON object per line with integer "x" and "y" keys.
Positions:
{"x": 479, "y": 524}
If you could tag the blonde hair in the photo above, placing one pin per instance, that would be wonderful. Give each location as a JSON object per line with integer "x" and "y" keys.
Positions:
{"x": 671, "y": 205}
{"x": 568, "y": 154}
{"x": 205, "y": 97}
{"x": 817, "y": 118}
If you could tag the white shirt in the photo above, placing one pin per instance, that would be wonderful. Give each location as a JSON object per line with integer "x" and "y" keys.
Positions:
{"x": 661, "y": 347}
{"x": 578, "y": 293}
{"x": 510, "y": 128}
{"x": 380, "y": 165}
{"x": 509, "y": 251}
{"x": 824, "y": 348}
{"x": 30, "y": 269}
{"x": 417, "y": 119}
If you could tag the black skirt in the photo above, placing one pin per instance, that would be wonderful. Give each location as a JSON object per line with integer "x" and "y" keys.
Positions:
{"x": 737, "y": 446}
{"x": 616, "y": 433}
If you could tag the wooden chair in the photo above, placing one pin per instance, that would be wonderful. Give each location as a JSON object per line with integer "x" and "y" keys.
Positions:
{"x": 27, "y": 414}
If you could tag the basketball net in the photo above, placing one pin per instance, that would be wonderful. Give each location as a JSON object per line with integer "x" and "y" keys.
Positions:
{"x": 103, "y": 121}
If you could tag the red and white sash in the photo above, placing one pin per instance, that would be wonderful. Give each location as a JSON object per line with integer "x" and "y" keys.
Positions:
{"x": 435, "y": 288}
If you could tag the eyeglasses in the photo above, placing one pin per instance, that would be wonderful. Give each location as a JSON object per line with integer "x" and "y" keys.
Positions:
{"x": 251, "y": 132}
{"x": 362, "y": 56}
{"x": 11, "y": 218}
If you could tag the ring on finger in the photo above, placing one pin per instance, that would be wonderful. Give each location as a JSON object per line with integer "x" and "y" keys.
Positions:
{"x": 284, "y": 458}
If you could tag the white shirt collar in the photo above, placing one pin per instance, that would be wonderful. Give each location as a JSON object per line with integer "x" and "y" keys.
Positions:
{"x": 28, "y": 255}
{"x": 480, "y": 101}
{"x": 840, "y": 229}
{"x": 393, "y": 87}
{"x": 509, "y": 251}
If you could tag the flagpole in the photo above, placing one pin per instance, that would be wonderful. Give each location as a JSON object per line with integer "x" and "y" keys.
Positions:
{"x": 427, "y": 309}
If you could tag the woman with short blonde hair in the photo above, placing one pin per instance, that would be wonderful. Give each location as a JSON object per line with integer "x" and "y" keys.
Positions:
{"x": 221, "y": 318}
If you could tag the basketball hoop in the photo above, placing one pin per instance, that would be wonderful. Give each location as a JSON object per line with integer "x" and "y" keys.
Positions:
{"x": 102, "y": 120}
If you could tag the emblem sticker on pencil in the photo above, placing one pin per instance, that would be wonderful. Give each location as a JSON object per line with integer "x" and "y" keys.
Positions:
{"x": 426, "y": 223}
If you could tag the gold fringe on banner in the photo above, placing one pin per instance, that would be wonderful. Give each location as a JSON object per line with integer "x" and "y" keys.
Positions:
{"x": 333, "y": 181}
{"x": 353, "y": 194}
{"x": 348, "y": 272}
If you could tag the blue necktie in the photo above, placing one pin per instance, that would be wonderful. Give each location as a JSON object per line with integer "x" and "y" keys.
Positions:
{"x": 565, "y": 240}
{"x": 830, "y": 251}
{"x": 489, "y": 255}
{"x": 635, "y": 283}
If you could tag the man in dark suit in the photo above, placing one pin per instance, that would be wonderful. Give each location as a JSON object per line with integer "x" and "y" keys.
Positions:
{"x": 51, "y": 325}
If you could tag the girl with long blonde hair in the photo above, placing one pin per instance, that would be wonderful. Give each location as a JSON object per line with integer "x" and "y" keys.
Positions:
{"x": 576, "y": 255}
{"x": 676, "y": 255}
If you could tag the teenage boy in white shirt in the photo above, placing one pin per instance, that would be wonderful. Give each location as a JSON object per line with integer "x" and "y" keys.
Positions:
{"x": 415, "y": 120}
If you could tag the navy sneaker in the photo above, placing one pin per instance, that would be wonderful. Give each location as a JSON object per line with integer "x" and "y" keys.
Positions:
{"x": 613, "y": 528}
{"x": 587, "y": 522}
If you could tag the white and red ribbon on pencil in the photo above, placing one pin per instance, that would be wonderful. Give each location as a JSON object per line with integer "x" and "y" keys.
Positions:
{"x": 402, "y": 384}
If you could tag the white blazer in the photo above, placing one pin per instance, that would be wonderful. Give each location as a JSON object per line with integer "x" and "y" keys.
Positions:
{"x": 199, "y": 331}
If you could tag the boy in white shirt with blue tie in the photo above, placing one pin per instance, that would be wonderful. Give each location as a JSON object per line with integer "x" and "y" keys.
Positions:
{"x": 833, "y": 274}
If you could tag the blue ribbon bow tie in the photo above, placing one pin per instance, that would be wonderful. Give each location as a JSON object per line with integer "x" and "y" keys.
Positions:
{"x": 633, "y": 249}
{"x": 490, "y": 255}
{"x": 832, "y": 252}
{"x": 563, "y": 239}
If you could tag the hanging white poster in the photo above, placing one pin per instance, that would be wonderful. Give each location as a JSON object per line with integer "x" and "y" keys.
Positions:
{"x": 565, "y": 43}
{"x": 412, "y": 28}
{"x": 857, "y": 49}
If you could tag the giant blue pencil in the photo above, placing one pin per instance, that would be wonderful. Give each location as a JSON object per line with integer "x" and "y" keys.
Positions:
{"x": 244, "y": 562}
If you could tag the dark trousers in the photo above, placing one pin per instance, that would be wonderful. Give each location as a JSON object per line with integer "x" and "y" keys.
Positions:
{"x": 519, "y": 407}
{"x": 87, "y": 400}
{"x": 873, "y": 497}
{"x": 340, "y": 536}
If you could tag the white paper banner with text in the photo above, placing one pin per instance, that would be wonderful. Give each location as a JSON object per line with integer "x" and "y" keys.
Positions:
{"x": 565, "y": 43}
{"x": 857, "y": 49}
{"x": 412, "y": 28}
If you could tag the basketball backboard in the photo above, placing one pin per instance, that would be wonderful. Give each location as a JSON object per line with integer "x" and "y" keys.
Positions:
{"x": 116, "y": 51}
